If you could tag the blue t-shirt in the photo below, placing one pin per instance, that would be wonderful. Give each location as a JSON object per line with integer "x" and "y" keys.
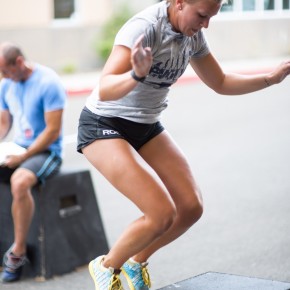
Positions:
{"x": 28, "y": 101}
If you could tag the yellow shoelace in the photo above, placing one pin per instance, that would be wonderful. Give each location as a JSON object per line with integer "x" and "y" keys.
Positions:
{"x": 145, "y": 276}
{"x": 115, "y": 283}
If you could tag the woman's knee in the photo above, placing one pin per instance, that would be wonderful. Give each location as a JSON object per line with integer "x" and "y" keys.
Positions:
{"x": 164, "y": 219}
{"x": 191, "y": 211}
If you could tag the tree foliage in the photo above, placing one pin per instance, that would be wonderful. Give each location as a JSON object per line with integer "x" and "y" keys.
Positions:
{"x": 109, "y": 30}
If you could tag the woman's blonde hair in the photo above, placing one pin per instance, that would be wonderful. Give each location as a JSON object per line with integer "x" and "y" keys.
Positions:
{"x": 192, "y": 1}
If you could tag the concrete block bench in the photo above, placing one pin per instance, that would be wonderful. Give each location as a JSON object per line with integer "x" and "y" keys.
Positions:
{"x": 67, "y": 230}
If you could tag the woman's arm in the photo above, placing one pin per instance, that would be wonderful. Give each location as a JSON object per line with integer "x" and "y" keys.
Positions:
{"x": 116, "y": 80}
{"x": 210, "y": 72}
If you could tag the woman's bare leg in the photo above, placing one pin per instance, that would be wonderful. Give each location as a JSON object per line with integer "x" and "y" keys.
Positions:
{"x": 169, "y": 163}
{"x": 128, "y": 173}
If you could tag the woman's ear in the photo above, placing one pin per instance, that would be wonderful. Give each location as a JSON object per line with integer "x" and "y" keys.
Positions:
{"x": 179, "y": 4}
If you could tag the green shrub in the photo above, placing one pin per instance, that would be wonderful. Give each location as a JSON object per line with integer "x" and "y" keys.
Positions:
{"x": 69, "y": 68}
{"x": 105, "y": 41}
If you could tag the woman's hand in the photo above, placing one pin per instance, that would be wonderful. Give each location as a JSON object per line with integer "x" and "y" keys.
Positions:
{"x": 279, "y": 74}
{"x": 141, "y": 58}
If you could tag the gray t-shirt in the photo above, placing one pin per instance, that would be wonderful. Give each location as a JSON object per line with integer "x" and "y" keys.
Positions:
{"x": 171, "y": 54}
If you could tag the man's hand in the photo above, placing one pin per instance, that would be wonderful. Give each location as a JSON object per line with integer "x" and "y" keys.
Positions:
{"x": 12, "y": 161}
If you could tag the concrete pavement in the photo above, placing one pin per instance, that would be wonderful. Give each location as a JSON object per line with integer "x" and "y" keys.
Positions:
{"x": 82, "y": 83}
{"x": 220, "y": 281}
{"x": 238, "y": 148}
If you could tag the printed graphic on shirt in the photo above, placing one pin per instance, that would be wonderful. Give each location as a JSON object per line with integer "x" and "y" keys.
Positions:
{"x": 26, "y": 128}
{"x": 164, "y": 71}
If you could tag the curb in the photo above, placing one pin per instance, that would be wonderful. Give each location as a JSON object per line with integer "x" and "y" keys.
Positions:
{"x": 187, "y": 78}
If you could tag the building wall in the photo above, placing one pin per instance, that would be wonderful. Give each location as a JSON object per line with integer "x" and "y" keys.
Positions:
{"x": 62, "y": 44}
{"x": 250, "y": 37}
{"x": 28, "y": 13}
{"x": 39, "y": 13}
{"x": 58, "y": 43}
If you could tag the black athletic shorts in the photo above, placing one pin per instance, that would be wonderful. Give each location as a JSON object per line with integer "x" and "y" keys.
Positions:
{"x": 93, "y": 127}
{"x": 43, "y": 165}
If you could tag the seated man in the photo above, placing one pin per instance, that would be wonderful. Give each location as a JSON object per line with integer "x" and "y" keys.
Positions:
{"x": 33, "y": 99}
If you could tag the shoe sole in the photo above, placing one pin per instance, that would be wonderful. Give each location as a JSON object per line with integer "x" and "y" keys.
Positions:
{"x": 91, "y": 270}
{"x": 130, "y": 284}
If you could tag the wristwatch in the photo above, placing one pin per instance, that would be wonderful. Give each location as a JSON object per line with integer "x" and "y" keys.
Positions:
{"x": 136, "y": 78}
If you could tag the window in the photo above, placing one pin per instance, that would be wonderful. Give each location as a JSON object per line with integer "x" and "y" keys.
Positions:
{"x": 249, "y": 5}
{"x": 286, "y": 4}
{"x": 227, "y": 7}
{"x": 268, "y": 4}
{"x": 256, "y": 5}
{"x": 64, "y": 9}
